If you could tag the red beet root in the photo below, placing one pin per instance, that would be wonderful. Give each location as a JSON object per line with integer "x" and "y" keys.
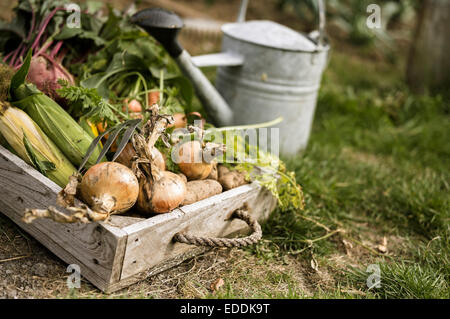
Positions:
{"x": 45, "y": 75}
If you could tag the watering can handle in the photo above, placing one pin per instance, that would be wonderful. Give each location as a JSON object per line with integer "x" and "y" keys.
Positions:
{"x": 322, "y": 21}
{"x": 322, "y": 17}
{"x": 242, "y": 11}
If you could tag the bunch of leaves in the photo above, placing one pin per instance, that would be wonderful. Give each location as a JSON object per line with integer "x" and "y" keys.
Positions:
{"x": 106, "y": 52}
{"x": 38, "y": 23}
{"x": 280, "y": 182}
{"x": 130, "y": 65}
{"x": 259, "y": 165}
{"x": 269, "y": 171}
{"x": 87, "y": 102}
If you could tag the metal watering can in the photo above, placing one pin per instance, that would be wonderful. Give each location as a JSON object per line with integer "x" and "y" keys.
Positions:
{"x": 265, "y": 71}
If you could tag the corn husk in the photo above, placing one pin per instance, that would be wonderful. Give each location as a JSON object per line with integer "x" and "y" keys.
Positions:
{"x": 60, "y": 127}
{"x": 5, "y": 144}
{"x": 32, "y": 145}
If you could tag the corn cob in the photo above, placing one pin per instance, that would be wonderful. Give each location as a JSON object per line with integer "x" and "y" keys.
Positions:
{"x": 57, "y": 124}
{"x": 32, "y": 145}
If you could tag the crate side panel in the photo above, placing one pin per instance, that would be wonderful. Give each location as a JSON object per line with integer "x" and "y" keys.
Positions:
{"x": 150, "y": 243}
{"x": 92, "y": 246}
{"x": 123, "y": 283}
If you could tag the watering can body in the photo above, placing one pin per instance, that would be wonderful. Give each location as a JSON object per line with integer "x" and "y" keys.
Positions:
{"x": 280, "y": 76}
{"x": 265, "y": 71}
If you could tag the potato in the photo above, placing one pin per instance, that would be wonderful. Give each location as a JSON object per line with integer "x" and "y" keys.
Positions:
{"x": 232, "y": 179}
{"x": 214, "y": 172}
{"x": 201, "y": 189}
{"x": 183, "y": 177}
{"x": 222, "y": 170}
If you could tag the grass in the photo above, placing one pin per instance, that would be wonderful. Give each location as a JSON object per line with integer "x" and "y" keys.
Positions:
{"x": 376, "y": 166}
{"x": 425, "y": 276}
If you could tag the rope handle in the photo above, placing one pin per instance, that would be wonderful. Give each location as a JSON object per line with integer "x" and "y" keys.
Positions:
{"x": 240, "y": 213}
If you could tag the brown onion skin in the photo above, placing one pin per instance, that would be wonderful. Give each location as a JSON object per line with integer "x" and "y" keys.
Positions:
{"x": 162, "y": 195}
{"x": 143, "y": 203}
{"x": 128, "y": 153}
{"x": 158, "y": 159}
{"x": 111, "y": 184}
{"x": 191, "y": 163}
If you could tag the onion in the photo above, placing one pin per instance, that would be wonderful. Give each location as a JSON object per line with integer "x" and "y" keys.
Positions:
{"x": 109, "y": 187}
{"x": 190, "y": 161}
{"x": 159, "y": 191}
{"x": 126, "y": 157}
{"x": 158, "y": 159}
{"x": 165, "y": 192}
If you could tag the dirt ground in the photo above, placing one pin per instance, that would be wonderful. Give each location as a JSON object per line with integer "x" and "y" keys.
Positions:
{"x": 29, "y": 270}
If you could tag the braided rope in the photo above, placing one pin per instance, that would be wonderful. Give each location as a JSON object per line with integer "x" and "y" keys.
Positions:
{"x": 225, "y": 242}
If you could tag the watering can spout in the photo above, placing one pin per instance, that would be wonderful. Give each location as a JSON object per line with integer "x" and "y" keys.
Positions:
{"x": 164, "y": 26}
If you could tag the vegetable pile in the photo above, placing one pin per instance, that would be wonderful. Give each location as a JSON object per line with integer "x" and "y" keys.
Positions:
{"x": 104, "y": 112}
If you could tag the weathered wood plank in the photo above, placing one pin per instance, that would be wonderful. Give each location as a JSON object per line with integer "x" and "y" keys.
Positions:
{"x": 122, "y": 221}
{"x": 124, "y": 249}
{"x": 264, "y": 204}
{"x": 97, "y": 248}
{"x": 149, "y": 243}
{"x": 167, "y": 264}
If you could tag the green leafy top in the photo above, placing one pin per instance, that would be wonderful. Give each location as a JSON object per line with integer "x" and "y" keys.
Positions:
{"x": 260, "y": 166}
{"x": 19, "y": 88}
{"x": 131, "y": 64}
{"x": 19, "y": 77}
{"x": 87, "y": 102}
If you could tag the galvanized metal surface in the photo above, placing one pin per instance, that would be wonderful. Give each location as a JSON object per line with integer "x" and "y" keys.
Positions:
{"x": 280, "y": 75}
{"x": 218, "y": 59}
{"x": 272, "y": 83}
{"x": 242, "y": 11}
{"x": 269, "y": 34}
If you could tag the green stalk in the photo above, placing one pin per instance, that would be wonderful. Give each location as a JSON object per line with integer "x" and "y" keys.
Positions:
{"x": 161, "y": 87}
{"x": 246, "y": 127}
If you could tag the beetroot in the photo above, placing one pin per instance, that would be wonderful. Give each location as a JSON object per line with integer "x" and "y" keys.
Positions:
{"x": 45, "y": 72}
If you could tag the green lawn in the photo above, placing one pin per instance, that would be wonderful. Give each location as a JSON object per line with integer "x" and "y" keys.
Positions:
{"x": 376, "y": 168}
{"x": 377, "y": 165}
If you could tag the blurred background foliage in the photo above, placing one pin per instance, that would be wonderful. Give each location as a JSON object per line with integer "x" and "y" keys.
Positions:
{"x": 350, "y": 16}
{"x": 347, "y": 18}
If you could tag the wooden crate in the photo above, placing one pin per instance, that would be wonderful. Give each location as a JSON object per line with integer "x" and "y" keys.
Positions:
{"x": 123, "y": 250}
